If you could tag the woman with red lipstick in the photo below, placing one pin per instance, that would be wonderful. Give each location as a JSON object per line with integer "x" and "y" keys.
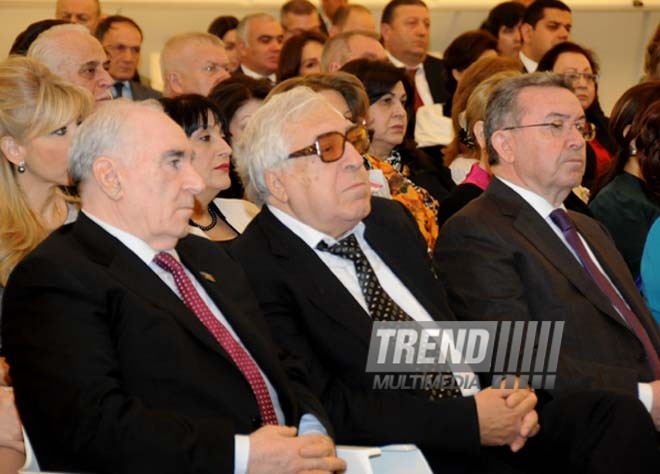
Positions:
{"x": 580, "y": 69}
{"x": 39, "y": 113}
{"x": 215, "y": 218}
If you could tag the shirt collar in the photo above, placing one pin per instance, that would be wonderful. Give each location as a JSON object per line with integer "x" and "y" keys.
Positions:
{"x": 249, "y": 72}
{"x": 308, "y": 234}
{"x": 540, "y": 205}
{"x": 398, "y": 63}
{"x": 529, "y": 63}
{"x": 138, "y": 246}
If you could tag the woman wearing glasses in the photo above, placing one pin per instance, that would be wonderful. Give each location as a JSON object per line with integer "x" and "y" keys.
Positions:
{"x": 580, "y": 69}
{"x": 213, "y": 218}
{"x": 627, "y": 200}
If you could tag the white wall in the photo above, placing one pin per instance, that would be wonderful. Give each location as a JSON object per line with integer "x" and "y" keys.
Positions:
{"x": 614, "y": 29}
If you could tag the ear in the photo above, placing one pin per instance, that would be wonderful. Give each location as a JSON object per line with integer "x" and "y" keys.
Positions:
{"x": 333, "y": 31}
{"x": 12, "y": 149}
{"x": 478, "y": 131}
{"x": 275, "y": 185}
{"x": 526, "y": 32}
{"x": 456, "y": 74}
{"x": 333, "y": 67}
{"x": 504, "y": 146}
{"x": 240, "y": 48}
{"x": 385, "y": 31}
{"x": 107, "y": 177}
{"x": 174, "y": 83}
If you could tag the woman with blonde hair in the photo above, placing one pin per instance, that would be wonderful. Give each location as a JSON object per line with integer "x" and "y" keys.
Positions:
{"x": 39, "y": 113}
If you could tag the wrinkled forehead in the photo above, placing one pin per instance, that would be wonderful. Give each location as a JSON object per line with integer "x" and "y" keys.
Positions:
{"x": 316, "y": 118}
{"x": 544, "y": 102}
{"x": 264, "y": 26}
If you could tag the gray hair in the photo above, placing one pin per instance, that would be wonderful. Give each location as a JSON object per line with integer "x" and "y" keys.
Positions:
{"x": 336, "y": 49}
{"x": 263, "y": 145}
{"x": 503, "y": 109}
{"x": 102, "y": 133}
{"x": 47, "y": 48}
{"x": 243, "y": 28}
{"x": 170, "y": 55}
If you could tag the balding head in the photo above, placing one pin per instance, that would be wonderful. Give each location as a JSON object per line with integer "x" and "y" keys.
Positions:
{"x": 72, "y": 53}
{"x": 193, "y": 63}
{"x": 348, "y": 46}
{"x": 82, "y": 12}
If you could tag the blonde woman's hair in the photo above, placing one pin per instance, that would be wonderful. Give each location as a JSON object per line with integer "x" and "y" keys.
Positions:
{"x": 33, "y": 102}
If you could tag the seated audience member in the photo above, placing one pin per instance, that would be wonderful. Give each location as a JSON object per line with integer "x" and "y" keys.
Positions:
{"x": 72, "y": 53}
{"x": 26, "y": 37}
{"x": 217, "y": 219}
{"x": 313, "y": 300}
{"x": 478, "y": 177}
{"x": 38, "y": 115}
{"x": 578, "y": 66}
{"x": 351, "y": 18}
{"x": 503, "y": 22}
{"x": 348, "y": 46}
{"x": 544, "y": 24}
{"x": 300, "y": 16}
{"x": 391, "y": 98}
{"x": 156, "y": 344}
{"x": 301, "y": 55}
{"x": 626, "y": 200}
{"x": 515, "y": 254}
{"x": 122, "y": 38}
{"x": 259, "y": 41}
{"x": 650, "y": 270}
{"x": 192, "y": 63}
{"x": 237, "y": 99}
{"x": 459, "y": 155}
{"x": 224, "y": 27}
{"x": 463, "y": 51}
{"x": 83, "y": 12}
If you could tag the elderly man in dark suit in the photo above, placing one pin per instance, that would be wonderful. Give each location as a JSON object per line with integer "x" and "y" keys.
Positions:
{"x": 301, "y": 158}
{"x": 136, "y": 349}
{"x": 517, "y": 254}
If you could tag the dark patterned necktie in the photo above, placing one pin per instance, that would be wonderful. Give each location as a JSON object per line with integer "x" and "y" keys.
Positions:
{"x": 238, "y": 354}
{"x": 119, "y": 89}
{"x": 567, "y": 226}
{"x": 381, "y": 306}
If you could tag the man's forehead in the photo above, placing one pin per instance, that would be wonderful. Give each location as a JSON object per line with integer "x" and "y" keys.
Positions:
{"x": 124, "y": 30}
{"x": 542, "y": 101}
{"x": 319, "y": 118}
{"x": 260, "y": 27}
{"x": 554, "y": 14}
{"x": 205, "y": 52}
{"x": 404, "y": 12}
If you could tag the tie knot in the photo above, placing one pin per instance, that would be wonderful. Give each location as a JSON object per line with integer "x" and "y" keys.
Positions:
{"x": 562, "y": 220}
{"x": 165, "y": 261}
{"x": 348, "y": 247}
{"x": 119, "y": 87}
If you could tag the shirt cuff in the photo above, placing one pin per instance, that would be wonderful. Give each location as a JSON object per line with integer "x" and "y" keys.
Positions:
{"x": 309, "y": 424}
{"x": 241, "y": 453}
{"x": 645, "y": 395}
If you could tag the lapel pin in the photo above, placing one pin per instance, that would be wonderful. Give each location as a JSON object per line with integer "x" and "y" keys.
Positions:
{"x": 208, "y": 277}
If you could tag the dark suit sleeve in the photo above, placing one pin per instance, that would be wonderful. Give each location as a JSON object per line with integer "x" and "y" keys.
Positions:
{"x": 74, "y": 407}
{"x": 486, "y": 280}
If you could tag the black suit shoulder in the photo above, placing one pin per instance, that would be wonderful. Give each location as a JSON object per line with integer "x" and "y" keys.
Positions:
{"x": 436, "y": 76}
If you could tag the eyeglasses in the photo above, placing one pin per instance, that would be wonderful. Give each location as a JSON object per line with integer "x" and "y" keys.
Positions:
{"x": 330, "y": 146}
{"x": 574, "y": 76}
{"x": 560, "y": 128}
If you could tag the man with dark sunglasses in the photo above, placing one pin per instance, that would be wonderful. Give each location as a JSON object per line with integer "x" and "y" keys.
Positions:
{"x": 326, "y": 260}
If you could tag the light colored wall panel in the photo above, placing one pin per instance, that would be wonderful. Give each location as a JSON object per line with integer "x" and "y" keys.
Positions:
{"x": 615, "y": 29}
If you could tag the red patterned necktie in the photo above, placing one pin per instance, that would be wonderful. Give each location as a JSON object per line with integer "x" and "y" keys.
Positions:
{"x": 238, "y": 354}
{"x": 565, "y": 223}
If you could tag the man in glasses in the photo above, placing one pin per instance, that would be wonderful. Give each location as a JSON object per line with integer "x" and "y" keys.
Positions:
{"x": 326, "y": 260}
{"x": 121, "y": 37}
{"x": 517, "y": 254}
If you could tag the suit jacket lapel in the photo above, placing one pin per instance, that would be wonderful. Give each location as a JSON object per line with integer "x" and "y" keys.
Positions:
{"x": 136, "y": 276}
{"x": 313, "y": 277}
{"x": 537, "y": 231}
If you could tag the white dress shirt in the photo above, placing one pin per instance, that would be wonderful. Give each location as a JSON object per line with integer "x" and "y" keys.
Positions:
{"x": 308, "y": 423}
{"x": 544, "y": 208}
{"x": 530, "y": 64}
{"x": 249, "y": 72}
{"x": 421, "y": 81}
{"x": 344, "y": 270}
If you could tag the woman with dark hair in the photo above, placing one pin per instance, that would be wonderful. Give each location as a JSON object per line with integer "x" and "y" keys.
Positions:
{"x": 301, "y": 55}
{"x": 627, "y": 199}
{"x": 580, "y": 69}
{"x": 224, "y": 27}
{"x": 464, "y": 50}
{"x": 217, "y": 219}
{"x": 503, "y": 23}
{"x": 236, "y": 99}
{"x": 410, "y": 174}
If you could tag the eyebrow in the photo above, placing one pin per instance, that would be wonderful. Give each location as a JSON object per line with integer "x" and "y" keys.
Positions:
{"x": 169, "y": 154}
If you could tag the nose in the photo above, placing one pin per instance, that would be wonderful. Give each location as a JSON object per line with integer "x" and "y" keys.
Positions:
{"x": 575, "y": 138}
{"x": 564, "y": 32}
{"x": 104, "y": 79}
{"x": 193, "y": 182}
{"x": 223, "y": 148}
{"x": 399, "y": 109}
{"x": 351, "y": 157}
